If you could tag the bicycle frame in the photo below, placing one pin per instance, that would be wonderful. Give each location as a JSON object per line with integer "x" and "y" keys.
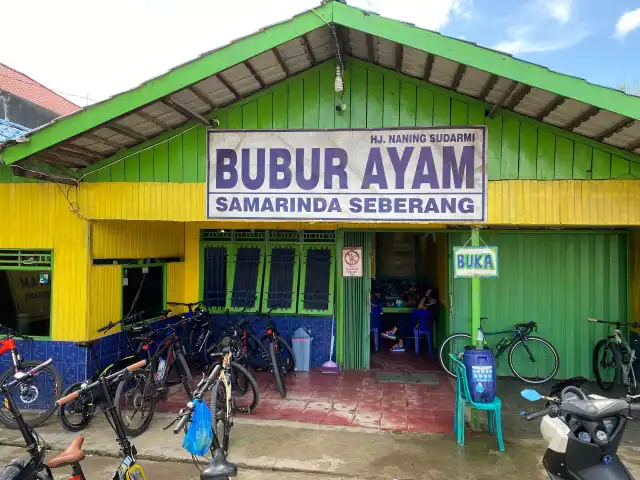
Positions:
{"x": 504, "y": 346}
{"x": 627, "y": 368}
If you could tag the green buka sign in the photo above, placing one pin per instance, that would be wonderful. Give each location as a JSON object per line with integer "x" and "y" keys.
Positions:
{"x": 475, "y": 262}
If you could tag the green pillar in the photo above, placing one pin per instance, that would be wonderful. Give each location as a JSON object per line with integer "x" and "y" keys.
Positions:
{"x": 475, "y": 317}
{"x": 475, "y": 290}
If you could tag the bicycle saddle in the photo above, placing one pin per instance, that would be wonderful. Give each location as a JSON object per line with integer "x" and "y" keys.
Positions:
{"x": 224, "y": 351}
{"x": 526, "y": 325}
{"x": 73, "y": 454}
{"x": 87, "y": 343}
{"x": 219, "y": 468}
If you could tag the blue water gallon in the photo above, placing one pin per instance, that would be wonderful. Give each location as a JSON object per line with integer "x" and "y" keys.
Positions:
{"x": 481, "y": 374}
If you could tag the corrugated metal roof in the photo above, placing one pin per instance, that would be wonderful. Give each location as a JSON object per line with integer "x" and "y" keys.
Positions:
{"x": 11, "y": 131}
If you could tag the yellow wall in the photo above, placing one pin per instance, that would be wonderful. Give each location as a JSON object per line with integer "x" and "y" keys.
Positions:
{"x": 511, "y": 202}
{"x": 126, "y": 239}
{"x": 38, "y": 216}
{"x": 105, "y": 298}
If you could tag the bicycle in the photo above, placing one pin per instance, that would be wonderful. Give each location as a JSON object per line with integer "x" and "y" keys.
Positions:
{"x": 221, "y": 401}
{"x": 44, "y": 388}
{"x": 84, "y": 406}
{"x": 197, "y": 331}
{"x": 521, "y": 344}
{"x": 614, "y": 356}
{"x": 36, "y": 467}
{"x": 152, "y": 384}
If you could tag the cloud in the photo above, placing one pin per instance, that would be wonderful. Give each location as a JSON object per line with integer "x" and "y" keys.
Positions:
{"x": 543, "y": 26}
{"x": 629, "y": 21}
{"x": 431, "y": 14}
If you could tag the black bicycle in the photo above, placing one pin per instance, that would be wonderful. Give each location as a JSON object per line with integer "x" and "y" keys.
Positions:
{"x": 531, "y": 358}
{"x": 37, "y": 468}
{"x": 77, "y": 414}
{"x": 137, "y": 395}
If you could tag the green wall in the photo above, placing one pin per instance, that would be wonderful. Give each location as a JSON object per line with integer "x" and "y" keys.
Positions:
{"x": 519, "y": 148}
{"x": 557, "y": 280}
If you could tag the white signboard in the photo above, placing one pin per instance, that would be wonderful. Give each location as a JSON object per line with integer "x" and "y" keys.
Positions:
{"x": 408, "y": 174}
{"x": 352, "y": 262}
{"x": 475, "y": 262}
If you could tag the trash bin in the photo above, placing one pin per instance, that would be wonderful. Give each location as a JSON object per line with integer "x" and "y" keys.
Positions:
{"x": 481, "y": 374}
{"x": 301, "y": 344}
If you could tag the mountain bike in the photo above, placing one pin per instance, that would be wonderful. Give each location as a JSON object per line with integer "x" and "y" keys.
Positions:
{"x": 138, "y": 394}
{"x": 39, "y": 469}
{"x": 37, "y": 395}
{"x": 281, "y": 346}
{"x": 613, "y": 359}
{"x": 197, "y": 334}
{"x": 532, "y": 359}
{"x": 221, "y": 401}
{"x": 77, "y": 414}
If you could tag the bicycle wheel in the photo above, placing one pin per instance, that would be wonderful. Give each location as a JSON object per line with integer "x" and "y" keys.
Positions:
{"x": 276, "y": 369}
{"x": 452, "y": 344}
{"x": 605, "y": 367}
{"x": 245, "y": 389}
{"x": 286, "y": 354}
{"x": 221, "y": 415}
{"x": 77, "y": 414}
{"x": 534, "y": 360}
{"x": 258, "y": 354}
{"x": 36, "y": 398}
{"x": 135, "y": 402}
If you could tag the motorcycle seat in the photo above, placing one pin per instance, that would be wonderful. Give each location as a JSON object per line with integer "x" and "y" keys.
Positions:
{"x": 73, "y": 454}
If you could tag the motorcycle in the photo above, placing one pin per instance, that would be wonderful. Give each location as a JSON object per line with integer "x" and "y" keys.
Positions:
{"x": 582, "y": 431}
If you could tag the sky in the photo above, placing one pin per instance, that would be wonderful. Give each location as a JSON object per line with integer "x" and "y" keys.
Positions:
{"x": 93, "y": 50}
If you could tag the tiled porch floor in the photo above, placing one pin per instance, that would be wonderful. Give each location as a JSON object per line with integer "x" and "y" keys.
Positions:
{"x": 355, "y": 399}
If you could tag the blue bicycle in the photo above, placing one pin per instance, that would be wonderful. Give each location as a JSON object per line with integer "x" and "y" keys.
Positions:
{"x": 532, "y": 359}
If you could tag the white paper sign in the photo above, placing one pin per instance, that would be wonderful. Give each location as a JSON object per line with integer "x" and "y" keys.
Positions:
{"x": 352, "y": 262}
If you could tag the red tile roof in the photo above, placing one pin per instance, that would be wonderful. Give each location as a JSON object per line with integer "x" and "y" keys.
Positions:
{"x": 25, "y": 87}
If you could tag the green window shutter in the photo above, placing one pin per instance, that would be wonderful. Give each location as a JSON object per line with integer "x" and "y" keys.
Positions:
{"x": 317, "y": 280}
{"x": 281, "y": 278}
{"x": 217, "y": 274}
{"x": 25, "y": 259}
{"x": 245, "y": 266}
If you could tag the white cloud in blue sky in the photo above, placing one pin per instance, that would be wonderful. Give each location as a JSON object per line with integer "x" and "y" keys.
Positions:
{"x": 543, "y": 26}
{"x": 629, "y": 21}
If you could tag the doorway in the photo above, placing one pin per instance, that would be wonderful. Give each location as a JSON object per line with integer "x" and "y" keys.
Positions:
{"x": 409, "y": 273}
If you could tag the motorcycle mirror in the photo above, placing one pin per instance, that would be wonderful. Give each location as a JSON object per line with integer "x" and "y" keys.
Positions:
{"x": 530, "y": 395}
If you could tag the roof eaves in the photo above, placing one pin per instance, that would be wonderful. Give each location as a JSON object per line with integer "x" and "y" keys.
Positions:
{"x": 488, "y": 60}
{"x": 175, "y": 79}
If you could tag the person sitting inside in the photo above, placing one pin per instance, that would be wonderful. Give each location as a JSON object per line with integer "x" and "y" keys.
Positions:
{"x": 428, "y": 302}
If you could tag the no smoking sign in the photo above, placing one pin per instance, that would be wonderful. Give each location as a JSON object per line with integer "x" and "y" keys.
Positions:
{"x": 352, "y": 262}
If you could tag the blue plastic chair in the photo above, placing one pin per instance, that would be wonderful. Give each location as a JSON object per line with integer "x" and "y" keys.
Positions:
{"x": 424, "y": 319}
{"x": 463, "y": 397}
{"x": 375, "y": 324}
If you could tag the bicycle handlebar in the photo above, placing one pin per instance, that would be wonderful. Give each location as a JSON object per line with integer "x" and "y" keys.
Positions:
{"x": 620, "y": 324}
{"x": 73, "y": 395}
{"x": 22, "y": 377}
{"x": 11, "y": 332}
{"x": 124, "y": 321}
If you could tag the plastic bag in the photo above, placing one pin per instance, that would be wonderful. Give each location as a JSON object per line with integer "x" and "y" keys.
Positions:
{"x": 199, "y": 435}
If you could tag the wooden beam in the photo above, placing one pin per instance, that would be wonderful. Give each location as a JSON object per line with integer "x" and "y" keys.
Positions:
{"x": 126, "y": 131}
{"x": 255, "y": 75}
{"x": 228, "y": 86}
{"x": 399, "y": 57}
{"x": 583, "y": 117}
{"x": 185, "y": 111}
{"x": 281, "y": 61}
{"x": 73, "y": 158}
{"x": 50, "y": 158}
{"x": 457, "y": 78}
{"x": 104, "y": 141}
{"x": 370, "y": 49}
{"x": 207, "y": 101}
{"x": 625, "y": 122}
{"x": 154, "y": 120}
{"x": 80, "y": 150}
{"x": 31, "y": 173}
{"x": 486, "y": 90}
{"x": 507, "y": 93}
{"x": 633, "y": 146}
{"x": 427, "y": 67}
{"x": 55, "y": 164}
{"x": 518, "y": 96}
{"x": 550, "y": 107}
{"x": 304, "y": 41}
